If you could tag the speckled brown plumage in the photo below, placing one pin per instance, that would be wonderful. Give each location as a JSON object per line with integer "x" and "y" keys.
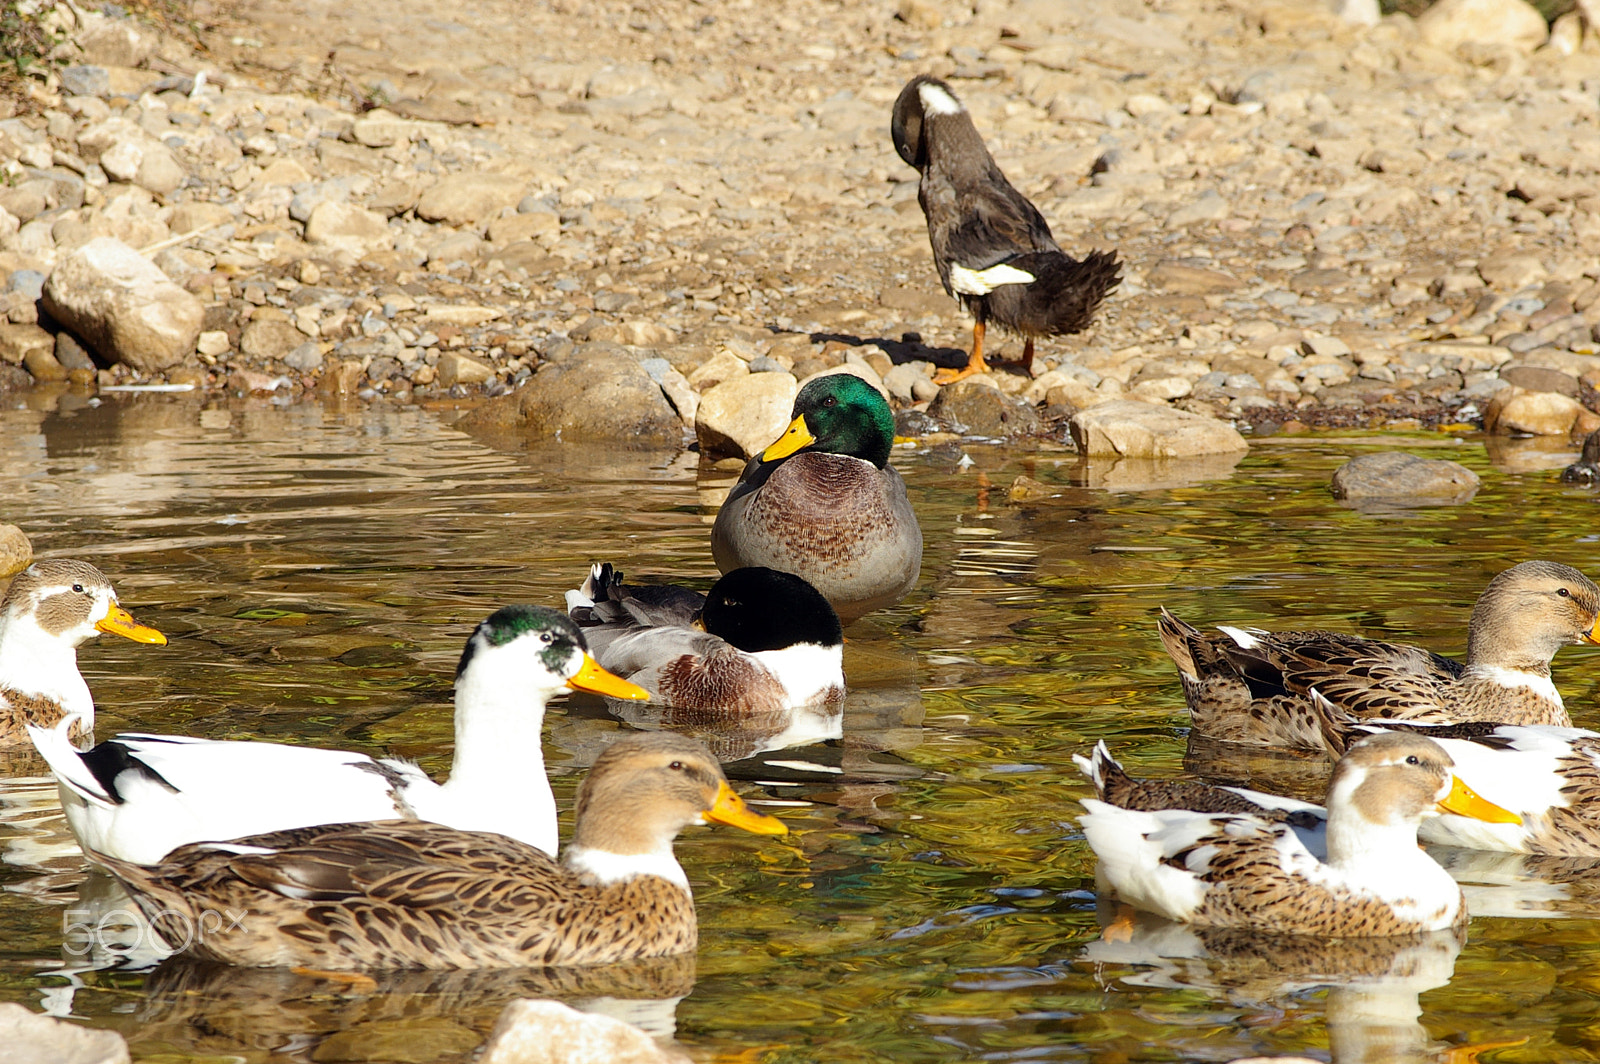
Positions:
{"x": 843, "y": 524}
{"x": 1249, "y": 888}
{"x": 1258, "y": 693}
{"x": 402, "y": 894}
{"x": 1114, "y": 785}
{"x": 18, "y": 709}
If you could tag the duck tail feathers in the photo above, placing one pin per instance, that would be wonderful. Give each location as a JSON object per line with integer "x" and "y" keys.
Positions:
{"x": 1175, "y": 636}
{"x": 600, "y": 585}
{"x": 1100, "y": 768}
{"x": 1063, "y": 295}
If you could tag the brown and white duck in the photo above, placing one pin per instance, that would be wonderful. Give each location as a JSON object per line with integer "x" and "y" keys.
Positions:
{"x": 1252, "y": 686}
{"x": 1248, "y": 870}
{"x": 759, "y": 642}
{"x": 51, "y": 608}
{"x": 403, "y": 894}
{"x": 993, "y": 249}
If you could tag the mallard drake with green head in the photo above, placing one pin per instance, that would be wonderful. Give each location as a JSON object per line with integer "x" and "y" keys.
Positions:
{"x": 51, "y": 608}
{"x": 824, "y": 504}
{"x": 1252, "y": 686}
{"x": 403, "y": 894}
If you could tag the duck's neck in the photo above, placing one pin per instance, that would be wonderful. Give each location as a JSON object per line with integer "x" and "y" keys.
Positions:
{"x": 1356, "y": 842}
{"x": 35, "y": 663}
{"x": 498, "y": 771}
{"x": 605, "y": 868}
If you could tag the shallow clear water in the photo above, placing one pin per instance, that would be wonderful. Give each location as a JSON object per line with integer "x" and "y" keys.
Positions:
{"x": 317, "y": 570}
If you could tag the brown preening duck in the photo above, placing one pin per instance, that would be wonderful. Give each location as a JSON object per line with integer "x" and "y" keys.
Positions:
{"x": 403, "y": 894}
{"x": 992, "y": 247}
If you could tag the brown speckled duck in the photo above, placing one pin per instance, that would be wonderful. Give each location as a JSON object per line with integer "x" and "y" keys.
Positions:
{"x": 824, "y": 503}
{"x": 1251, "y": 686}
{"x": 759, "y": 642}
{"x": 403, "y": 894}
{"x": 992, "y": 247}
{"x": 51, "y": 608}
{"x": 1239, "y": 869}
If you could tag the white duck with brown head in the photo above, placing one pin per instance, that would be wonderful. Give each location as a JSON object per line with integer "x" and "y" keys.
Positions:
{"x": 51, "y": 608}
{"x": 1244, "y": 870}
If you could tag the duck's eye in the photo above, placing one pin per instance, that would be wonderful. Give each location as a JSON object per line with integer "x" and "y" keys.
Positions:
{"x": 546, "y": 638}
{"x": 77, "y": 588}
{"x": 1563, "y": 592}
{"x": 1413, "y": 760}
{"x": 676, "y": 766}
{"x": 830, "y": 401}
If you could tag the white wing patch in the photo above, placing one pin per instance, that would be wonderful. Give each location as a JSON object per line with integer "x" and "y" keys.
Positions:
{"x": 981, "y": 282}
{"x": 1241, "y": 636}
{"x": 936, "y": 101}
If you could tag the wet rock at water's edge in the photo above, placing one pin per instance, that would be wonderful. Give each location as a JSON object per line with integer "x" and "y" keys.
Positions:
{"x": 740, "y": 417}
{"x": 123, "y": 306}
{"x": 16, "y": 553}
{"x": 548, "y": 1032}
{"x": 1131, "y": 429}
{"x": 978, "y": 408}
{"x": 590, "y": 395}
{"x": 30, "y": 1038}
{"x": 1403, "y": 480}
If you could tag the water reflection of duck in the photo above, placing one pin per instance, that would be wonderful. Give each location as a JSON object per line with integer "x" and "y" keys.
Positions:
{"x": 403, "y": 894}
{"x": 824, "y": 503}
{"x": 50, "y": 609}
{"x": 216, "y": 1009}
{"x": 992, "y": 248}
{"x": 1586, "y": 470}
{"x": 1249, "y": 685}
{"x": 1253, "y": 869}
{"x": 136, "y": 797}
{"x": 1372, "y": 1008}
{"x": 759, "y": 643}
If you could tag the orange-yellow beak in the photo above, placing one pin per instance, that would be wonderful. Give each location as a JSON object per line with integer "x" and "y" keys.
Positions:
{"x": 729, "y": 808}
{"x": 1464, "y": 801}
{"x": 796, "y": 437}
{"x": 120, "y": 622}
{"x": 1593, "y": 634}
{"x": 593, "y": 678}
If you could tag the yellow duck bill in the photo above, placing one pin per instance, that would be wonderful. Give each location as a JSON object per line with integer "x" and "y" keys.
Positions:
{"x": 120, "y": 622}
{"x": 729, "y": 808}
{"x": 593, "y": 678}
{"x": 1464, "y": 801}
{"x": 797, "y": 435}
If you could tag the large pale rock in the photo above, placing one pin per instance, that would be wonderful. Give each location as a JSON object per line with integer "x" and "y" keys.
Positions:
{"x": 1133, "y": 429}
{"x": 548, "y": 1032}
{"x": 597, "y": 393}
{"x": 456, "y": 368}
{"x": 742, "y": 416}
{"x": 467, "y": 199}
{"x": 16, "y": 553}
{"x": 1515, "y": 410}
{"x": 123, "y": 306}
{"x": 31, "y": 1038}
{"x": 346, "y": 227}
{"x": 1507, "y": 273}
{"x": 117, "y": 42}
{"x": 978, "y": 408}
{"x": 1393, "y": 476}
{"x": 1451, "y": 23}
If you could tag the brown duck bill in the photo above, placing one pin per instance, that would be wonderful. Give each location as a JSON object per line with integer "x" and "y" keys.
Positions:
{"x": 729, "y": 808}
{"x": 120, "y": 622}
{"x": 795, "y": 437}
{"x": 593, "y": 678}
{"x": 1464, "y": 801}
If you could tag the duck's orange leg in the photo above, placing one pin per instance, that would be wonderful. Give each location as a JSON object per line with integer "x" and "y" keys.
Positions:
{"x": 975, "y": 363}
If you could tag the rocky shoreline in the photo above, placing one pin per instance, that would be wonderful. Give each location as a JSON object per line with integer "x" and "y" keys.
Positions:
{"x": 648, "y": 225}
